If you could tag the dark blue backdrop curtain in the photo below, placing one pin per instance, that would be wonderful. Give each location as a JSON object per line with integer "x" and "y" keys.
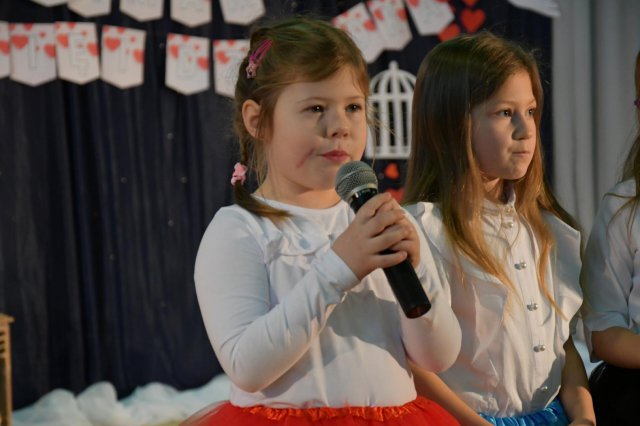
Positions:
{"x": 105, "y": 194}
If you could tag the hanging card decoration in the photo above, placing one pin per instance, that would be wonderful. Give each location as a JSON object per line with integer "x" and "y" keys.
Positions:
{"x": 77, "y": 51}
{"x": 122, "y": 56}
{"x": 191, "y": 12}
{"x": 391, "y": 19}
{"x": 430, "y": 16}
{"x": 187, "y": 69}
{"x": 90, "y": 8}
{"x": 142, "y": 10}
{"x": 548, "y": 8}
{"x": 4, "y": 49}
{"x": 227, "y": 55}
{"x": 49, "y": 2}
{"x": 241, "y": 12}
{"x": 33, "y": 53}
{"x": 358, "y": 23}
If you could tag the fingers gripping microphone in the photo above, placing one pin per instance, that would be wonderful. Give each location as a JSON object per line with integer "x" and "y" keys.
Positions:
{"x": 356, "y": 183}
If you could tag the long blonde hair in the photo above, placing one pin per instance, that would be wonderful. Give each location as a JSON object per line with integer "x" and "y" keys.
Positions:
{"x": 302, "y": 49}
{"x": 454, "y": 77}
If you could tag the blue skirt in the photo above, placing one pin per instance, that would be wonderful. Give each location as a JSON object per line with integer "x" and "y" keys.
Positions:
{"x": 553, "y": 415}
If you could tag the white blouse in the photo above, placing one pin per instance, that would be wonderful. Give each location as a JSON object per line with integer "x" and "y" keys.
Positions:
{"x": 292, "y": 326}
{"x": 611, "y": 269}
{"x": 512, "y": 353}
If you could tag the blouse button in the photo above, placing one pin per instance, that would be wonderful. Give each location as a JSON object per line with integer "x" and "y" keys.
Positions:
{"x": 520, "y": 265}
{"x": 509, "y": 224}
{"x": 544, "y": 388}
{"x": 532, "y": 306}
{"x": 539, "y": 348}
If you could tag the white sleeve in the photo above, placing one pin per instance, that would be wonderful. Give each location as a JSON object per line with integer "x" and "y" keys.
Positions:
{"x": 255, "y": 341}
{"x": 433, "y": 340}
{"x": 607, "y": 269}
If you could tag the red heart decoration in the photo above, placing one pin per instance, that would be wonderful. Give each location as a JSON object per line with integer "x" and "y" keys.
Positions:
{"x": 72, "y": 25}
{"x": 414, "y": 3}
{"x": 222, "y": 57}
{"x": 472, "y": 19}
{"x": 173, "y": 50}
{"x": 402, "y": 14}
{"x": 50, "y": 50}
{"x": 42, "y": 34}
{"x": 4, "y": 47}
{"x": 106, "y": 28}
{"x": 121, "y": 29}
{"x": 470, "y": 3}
{"x": 369, "y": 25}
{"x": 231, "y": 42}
{"x": 378, "y": 14}
{"x": 19, "y": 41}
{"x": 28, "y": 26}
{"x": 92, "y": 48}
{"x": 185, "y": 37}
{"x": 391, "y": 171}
{"x": 449, "y": 32}
{"x": 133, "y": 39}
{"x": 63, "y": 39}
{"x": 112, "y": 43}
{"x": 203, "y": 62}
{"x": 138, "y": 55}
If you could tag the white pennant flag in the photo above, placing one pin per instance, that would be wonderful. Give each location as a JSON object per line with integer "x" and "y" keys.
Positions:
{"x": 191, "y": 12}
{"x": 187, "y": 69}
{"x": 33, "y": 53}
{"x": 90, "y": 8}
{"x": 123, "y": 56}
{"x": 391, "y": 19}
{"x": 358, "y": 23}
{"x": 430, "y": 16}
{"x": 241, "y": 12}
{"x": 142, "y": 10}
{"x": 49, "y": 2}
{"x": 4, "y": 50}
{"x": 77, "y": 51}
{"x": 227, "y": 56}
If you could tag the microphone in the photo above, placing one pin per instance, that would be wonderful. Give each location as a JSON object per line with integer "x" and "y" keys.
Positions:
{"x": 356, "y": 183}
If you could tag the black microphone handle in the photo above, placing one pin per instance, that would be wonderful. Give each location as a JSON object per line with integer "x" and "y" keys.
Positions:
{"x": 402, "y": 277}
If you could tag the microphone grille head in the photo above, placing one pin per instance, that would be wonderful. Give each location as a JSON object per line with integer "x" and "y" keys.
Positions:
{"x": 353, "y": 176}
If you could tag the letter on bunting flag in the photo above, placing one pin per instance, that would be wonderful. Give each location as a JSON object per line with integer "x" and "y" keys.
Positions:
{"x": 77, "y": 51}
{"x": 122, "y": 56}
{"x": 4, "y": 49}
{"x": 227, "y": 55}
{"x": 33, "y": 53}
{"x": 142, "y": 10}
{"x": 90, "y": 8}
{"x": 191, "y": 12}
{"x": 358, "y": 23}
{"x": 187, "y": 69}
{"x": 241, "y": 12}
{"x": 391, "y": 19}
{"x": 430, "y": 16}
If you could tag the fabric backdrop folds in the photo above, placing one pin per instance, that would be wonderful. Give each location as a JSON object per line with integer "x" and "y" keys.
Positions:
{"x": 105, "y": 194}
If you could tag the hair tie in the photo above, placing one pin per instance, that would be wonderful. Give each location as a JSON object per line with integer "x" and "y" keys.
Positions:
{"x": 256, "y": 57}
{"x": 239, "y": 174}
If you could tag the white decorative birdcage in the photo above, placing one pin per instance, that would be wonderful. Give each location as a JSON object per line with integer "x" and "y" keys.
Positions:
{"x": 391, "y": 97}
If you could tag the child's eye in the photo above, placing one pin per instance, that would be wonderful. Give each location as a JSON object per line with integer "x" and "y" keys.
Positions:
{"x": 531, "y": 111}
{"x": 354, "y": 108}
{"x": 504, "y": 113}
{"x": 316, "y": 108}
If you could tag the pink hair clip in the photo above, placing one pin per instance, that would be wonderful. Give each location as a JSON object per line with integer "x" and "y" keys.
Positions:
{"x": 239, "y": 174}
{"x": 256, "y": 57}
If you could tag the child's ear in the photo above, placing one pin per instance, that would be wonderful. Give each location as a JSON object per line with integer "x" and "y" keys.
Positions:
{"x": 251, "y": 116}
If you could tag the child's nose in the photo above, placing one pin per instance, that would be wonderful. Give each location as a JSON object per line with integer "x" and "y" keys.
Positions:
{"x": 338, "y": 125}
{"x": 525, "y": 127}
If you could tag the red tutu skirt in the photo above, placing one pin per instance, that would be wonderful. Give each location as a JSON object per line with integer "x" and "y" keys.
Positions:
{"x": 420, "y": 412}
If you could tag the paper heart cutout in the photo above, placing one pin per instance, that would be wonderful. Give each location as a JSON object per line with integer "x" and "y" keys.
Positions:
{"x": 28, "y": 26}
{"x": 222, "y": 57}
{"x": 414, "y": 3}
{"x": 72, "y": 25}
{"x": 203, "y": 62}
{"x": 112, "y": 43}
{"x": 19, "y": 41}
{"x": 451, "y": 31}
{"x": 63, "y": 39}
{"x": 120, "y": 29}
{"x": 378, "y": 14}
{"x": 185, "y": 38}
{"x": 92, "y": 48}
{"x": 4, "y": 47}
{"x": 472, "y": 19}
{"x": 174, "y": 50}
{"x": 138, "y": 55}
{"x": 50, "y": 50}
{"x": 470, "y": 3}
